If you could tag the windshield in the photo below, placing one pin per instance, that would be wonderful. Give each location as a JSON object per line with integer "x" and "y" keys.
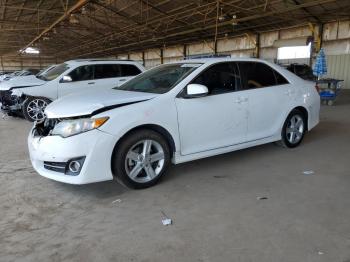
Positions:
{"x": 160, "y": 79}
{"x": 53, "y": 73}
{"x": 45, "y": 70}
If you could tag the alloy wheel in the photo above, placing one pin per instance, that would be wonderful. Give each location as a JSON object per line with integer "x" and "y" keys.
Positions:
{"x": 36, "y": 108}
{"x": 295, "y": 129}
{"x": 144, "y": 161}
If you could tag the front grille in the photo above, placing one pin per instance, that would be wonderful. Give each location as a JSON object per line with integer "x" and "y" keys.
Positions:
{"x": 56, "y": 166}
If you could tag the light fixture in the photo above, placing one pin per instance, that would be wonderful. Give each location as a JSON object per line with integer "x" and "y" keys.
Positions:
{"x": 30, "y": 50}
{"x": 222, "y": 17}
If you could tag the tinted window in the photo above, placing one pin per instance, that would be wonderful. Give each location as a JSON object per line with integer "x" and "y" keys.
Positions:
{"x": 130, "y": 70}
{"x": 219, "y": 78}
{"x": 256, "y": 75}
{"x": 107, "y": 71}
{"x": 82, "y": 73}
{"x": 280, "y": 80}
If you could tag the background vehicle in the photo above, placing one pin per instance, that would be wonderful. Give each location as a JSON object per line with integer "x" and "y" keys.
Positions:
{"x": 176, "y": 112}
{"x": 12, "y": 104}
{"x": 70, "y": 77}
{"x": 302, "y": 70}
{"x": 25, "y": 80}
{"x": 5, "y": 73}
{"x": 25, "y": 72}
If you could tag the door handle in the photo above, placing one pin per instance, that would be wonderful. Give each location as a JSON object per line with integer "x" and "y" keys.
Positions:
{"x": 122, "y": 80}
{"x": 91, "y": 83}
{"x": 240, "y": 100}
{"x": 289, "y": 92}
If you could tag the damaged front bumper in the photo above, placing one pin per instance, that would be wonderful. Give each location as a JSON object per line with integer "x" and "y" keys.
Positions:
{"x": 10, "y": 104}
{"x": 52, "y": 155}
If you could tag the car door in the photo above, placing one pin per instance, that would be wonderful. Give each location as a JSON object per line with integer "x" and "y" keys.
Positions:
{"x": 107, "y": 75}
{"x": 216, "y": 120}
{"x": 269, "y": 95}
{"x": 82, "y": 79}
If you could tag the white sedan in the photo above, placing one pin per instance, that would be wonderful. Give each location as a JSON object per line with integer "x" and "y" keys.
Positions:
{"x": 176, "y": 113}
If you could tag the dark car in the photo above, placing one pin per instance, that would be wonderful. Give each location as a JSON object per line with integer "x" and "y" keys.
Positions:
{"x": 302, "y": 70}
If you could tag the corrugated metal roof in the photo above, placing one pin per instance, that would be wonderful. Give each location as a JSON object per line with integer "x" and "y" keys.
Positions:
{"x": 95, "y": 28}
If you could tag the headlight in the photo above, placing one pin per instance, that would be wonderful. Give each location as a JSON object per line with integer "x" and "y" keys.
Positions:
{"x": 73, "y": 127}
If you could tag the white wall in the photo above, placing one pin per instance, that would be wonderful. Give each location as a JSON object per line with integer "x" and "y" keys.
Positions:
{"x": 336, "y": 41}
{"x": 12, "y": 63}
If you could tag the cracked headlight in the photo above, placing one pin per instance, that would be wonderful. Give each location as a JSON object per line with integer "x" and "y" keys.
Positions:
{"x": 69, "y": 128}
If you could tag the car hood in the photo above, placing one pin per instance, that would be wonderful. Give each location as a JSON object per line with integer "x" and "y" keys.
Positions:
{"x": 93, "y": 102}
{"x": 21, "y": 82}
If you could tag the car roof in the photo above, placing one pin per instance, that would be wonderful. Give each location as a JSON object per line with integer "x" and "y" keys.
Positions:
{"x": 99, "y": 61}
{"x": 209, "y": 61}
{"x": 220, "y": 59}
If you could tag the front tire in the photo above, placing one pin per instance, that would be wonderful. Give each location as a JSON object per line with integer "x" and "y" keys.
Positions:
{"x": 34, "y": 107}
{"x": 294, "y": 129}
{"x": 141, "y": 158}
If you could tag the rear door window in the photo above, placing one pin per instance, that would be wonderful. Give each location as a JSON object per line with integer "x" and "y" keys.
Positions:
{"x": 107, "y": 71}
{"x": 258, "y": 75}
{"x": 280, "y": 80}
{"x": 129, "y": 70}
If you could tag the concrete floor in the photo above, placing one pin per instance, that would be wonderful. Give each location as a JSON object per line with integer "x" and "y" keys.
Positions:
{"x": 213, "y": 204}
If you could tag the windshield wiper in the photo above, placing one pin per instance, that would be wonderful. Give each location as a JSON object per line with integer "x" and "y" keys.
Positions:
{"x": 41, "y": 77}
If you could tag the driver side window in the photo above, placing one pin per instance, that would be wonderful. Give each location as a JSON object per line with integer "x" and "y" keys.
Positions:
{"x": 82, "y": 73}
{"x": 219, "y": 78}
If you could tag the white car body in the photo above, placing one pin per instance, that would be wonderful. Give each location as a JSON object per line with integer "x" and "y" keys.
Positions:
{"x": 25, "y": 72}
{"x": 75, "y": 76}
{"x": 9, "y": 76}
{"x": 56, "y": 88}
{"x": 195, "y": 128}
{"x": 20, "y": 81}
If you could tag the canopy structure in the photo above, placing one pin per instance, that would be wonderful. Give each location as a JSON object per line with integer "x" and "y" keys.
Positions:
{"x": 96, "y": 28}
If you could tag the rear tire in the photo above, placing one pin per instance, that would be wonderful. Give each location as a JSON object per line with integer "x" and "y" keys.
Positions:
{"x": 140, "y": 159}
{"x": 293, "y": 130}
{"x": 34, "y": 107}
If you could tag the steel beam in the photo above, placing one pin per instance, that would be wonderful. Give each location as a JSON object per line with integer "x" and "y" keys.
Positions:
{"x": 74, "y": 8}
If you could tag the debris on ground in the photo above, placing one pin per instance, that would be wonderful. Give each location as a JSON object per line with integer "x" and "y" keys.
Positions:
{"x": 308, "y": 172}
{"x": 117, "y": 201}
{"x": 4, "y": 117}
{"x": 262, "y": 198}
{"x": 320, "y": 253}
{"x": 166, "y": 220}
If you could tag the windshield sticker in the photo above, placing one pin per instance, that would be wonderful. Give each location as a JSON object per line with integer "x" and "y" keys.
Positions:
{"x": 191, "y": 65}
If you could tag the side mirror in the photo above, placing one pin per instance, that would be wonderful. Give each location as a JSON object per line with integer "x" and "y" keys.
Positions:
{"x": 66, "y": 79}
{"x": 196, "y": 90}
